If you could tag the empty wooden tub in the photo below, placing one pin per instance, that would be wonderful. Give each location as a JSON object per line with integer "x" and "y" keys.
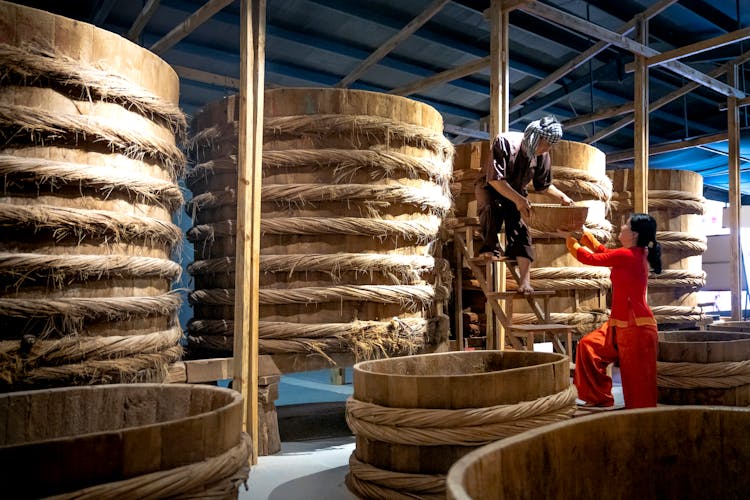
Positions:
{"x": 123, "y": 441}
{"x": 704, "y": 368}
{"x": 686, "y": 452}
{"x": 414, "y": 416}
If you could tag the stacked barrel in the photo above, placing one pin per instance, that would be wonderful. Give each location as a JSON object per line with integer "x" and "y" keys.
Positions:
{"x": 89, "y": 165}
{"x": 355, "y": 186}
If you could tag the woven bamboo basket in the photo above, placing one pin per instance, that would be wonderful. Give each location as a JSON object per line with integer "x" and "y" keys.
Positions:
{"x": 89, "y": 162}
{"x": 704, "y": 368}
{"x": 124, "y": 441}
{"x": 675, "y": 200}
{"x": 689, "y": 452}
{"x": 355, "y": 185}
{"x": 414, "y": 416}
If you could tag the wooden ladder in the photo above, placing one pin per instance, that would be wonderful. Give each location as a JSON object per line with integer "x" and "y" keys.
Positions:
{"x": 488, "y": 273}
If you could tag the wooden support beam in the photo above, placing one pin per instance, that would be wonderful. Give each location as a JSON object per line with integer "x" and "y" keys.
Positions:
{"x": 584, "y": 56}
{"x": 676, "y": 94}
{"x": 666, "y": 147}
{"x": 499, "y": 72}
{"x": 740, "y": 103}
{"x": 455, "y": 129}
{"x": 442, "y": 77}
{"x": 249, "y": 162}
{"x": 103, "y": 8}
{"x": 391, "y": 44}
{"x": 142, "y": 20}
{"x": 197, "y": 75}
{"x": 199, "y": 17}
{"x": 735, "y": 198}
{"x": 698, "y": 47}
{"x": 599, "y": 115}
{"x": 640, "y": 134}
{"x": 583, "y": 26}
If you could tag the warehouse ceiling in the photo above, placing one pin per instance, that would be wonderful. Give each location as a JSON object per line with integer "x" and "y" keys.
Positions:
{"x": 324, "y": 43}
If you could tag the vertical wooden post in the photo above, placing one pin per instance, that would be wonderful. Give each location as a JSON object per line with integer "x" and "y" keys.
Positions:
{"x": 249, "y": 162}
{"x": 499, "y": 122}
{"x": 640, "y": 134}
{"x": 733, "y": 136}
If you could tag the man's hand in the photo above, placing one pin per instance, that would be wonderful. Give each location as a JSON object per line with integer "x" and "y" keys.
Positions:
{"x": 524, "y": 206}
{"x": 566, "y": 201}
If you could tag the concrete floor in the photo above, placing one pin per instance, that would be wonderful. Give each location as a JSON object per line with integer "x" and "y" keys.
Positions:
{"x": 315, "y": 468}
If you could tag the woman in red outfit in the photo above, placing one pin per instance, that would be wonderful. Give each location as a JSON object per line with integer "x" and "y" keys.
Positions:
{"x": 630, "y": 333}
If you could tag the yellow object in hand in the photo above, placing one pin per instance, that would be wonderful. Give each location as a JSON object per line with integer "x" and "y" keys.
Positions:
{"x": 588, "y": 240}
{"x": 573, "y": 246}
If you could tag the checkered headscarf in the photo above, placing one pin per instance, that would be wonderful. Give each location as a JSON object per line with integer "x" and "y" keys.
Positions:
{"x": 548, "y": 128}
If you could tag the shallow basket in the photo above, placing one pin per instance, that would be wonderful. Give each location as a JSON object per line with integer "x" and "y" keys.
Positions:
{"x": 550, "y": 218}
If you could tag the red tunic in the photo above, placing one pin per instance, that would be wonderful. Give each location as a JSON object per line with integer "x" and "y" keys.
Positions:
{"x": 629, "y": 275}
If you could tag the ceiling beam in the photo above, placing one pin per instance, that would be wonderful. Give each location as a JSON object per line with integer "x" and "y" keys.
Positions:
{"x": 710, "y": 14}
{"x": 573, "y": 22}
{"x": 676, "y": 94}
{"x": 443, "y": 77}
{"x": 102, "y": 9}
{"x": 189, "y": 25}
{"x": 586, "y": 55}
{"x": 143, "y": 18}
{"x": 697, "y": 48}
{"x": 198, "y": 75}
{"x": 455, "y": 129}
{"x": 393, "y": 42}
{"x": 666, "y": 147}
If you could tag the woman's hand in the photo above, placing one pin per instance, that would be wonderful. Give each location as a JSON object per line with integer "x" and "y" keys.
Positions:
{"x": 573, "y": 246}
{"x": 588, "y": 240}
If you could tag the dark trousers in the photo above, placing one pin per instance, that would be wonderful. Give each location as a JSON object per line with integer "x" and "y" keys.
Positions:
{"x": 494, "y": 211}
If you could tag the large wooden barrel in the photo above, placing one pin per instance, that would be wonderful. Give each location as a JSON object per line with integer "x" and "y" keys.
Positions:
{"x": 414, "y": 416}
{"x": 88, "y": 122}
{"x": 355, "y": 185}
{"x": 675, "y": 200}
{"x": 704, "y": 368}
{"x": 123, "y": 441}
{"x": 656, "y": 453}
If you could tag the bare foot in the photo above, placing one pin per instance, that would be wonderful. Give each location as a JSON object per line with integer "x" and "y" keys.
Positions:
{"x": 525, "y": 288}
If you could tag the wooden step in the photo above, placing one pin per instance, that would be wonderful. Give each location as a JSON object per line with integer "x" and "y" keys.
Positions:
{"x": 516, "y": 294}
{"x": 541, "y": 328}
{"x": 501, "y": 258}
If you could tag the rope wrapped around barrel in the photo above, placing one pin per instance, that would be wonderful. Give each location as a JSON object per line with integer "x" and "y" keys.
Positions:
{"x": 684, "y": 201}
{"x": 366, "y": 339}
{"x": 460, "y": 427}
{"x": 436, "y": 427}
{"x": 216, "y": 477}
{"x": 368, "y": 481}
{"x": 565, "y": 278}
{"x": 719, "y": 375}
{"x": 579, "y": 183}
{"x": 692, "y": 244}
{"x": 81, "y": 359}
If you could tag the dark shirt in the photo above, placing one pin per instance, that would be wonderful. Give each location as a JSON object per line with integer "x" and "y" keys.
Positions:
{"x": 509, "y": 162}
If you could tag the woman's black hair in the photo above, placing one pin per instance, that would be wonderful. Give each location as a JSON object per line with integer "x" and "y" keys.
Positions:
{"x": 645, "y": 226}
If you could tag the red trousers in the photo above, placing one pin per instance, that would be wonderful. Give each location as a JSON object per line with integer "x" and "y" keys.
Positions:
{"x": 635, "y": 347}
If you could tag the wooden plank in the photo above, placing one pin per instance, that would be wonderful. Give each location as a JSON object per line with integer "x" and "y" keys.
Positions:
{"x": 578, "y": 24}
{"x": 189, "y": 25}
{"x": 249, "y": 164}
{"x": 668, "y": 146}
{"x": 391, "y": 43}
{"x": 143, "y": 18}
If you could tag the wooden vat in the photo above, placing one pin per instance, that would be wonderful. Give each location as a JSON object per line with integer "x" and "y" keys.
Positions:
{"x": 686, "y": 453}
{"x": 124, "y": 441}
{"x": 414, "y": 416}
{"x": 88, "y": 156}
{"x": 355, "y": 185}
{"x": 729, "y": 326}
{"x": 675, "y": 200}
{"x": 704, "y": 368}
